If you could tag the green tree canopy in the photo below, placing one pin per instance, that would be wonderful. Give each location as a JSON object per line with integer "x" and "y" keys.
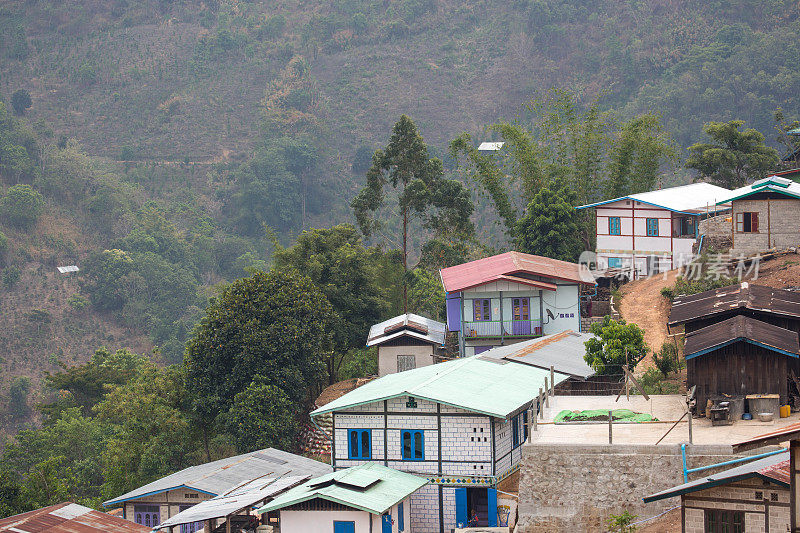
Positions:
{"x": 276, "y": 325}
{"x": 20, "y": 101}
{"x": 551, "y": 226}
{"x": 262, "y": 416}
{"x": 346, "y": 272}
{"x": 21, "y": 206}
{"x": 732, "y": 157}
{"x": 616, "y": 344}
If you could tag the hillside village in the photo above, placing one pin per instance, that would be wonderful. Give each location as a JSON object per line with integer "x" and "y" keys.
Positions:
{"x": 241, "y": 293}
{"x": 498, "y": 420}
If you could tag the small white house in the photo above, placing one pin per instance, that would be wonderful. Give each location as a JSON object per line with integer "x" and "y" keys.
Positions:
{"x": 654, "y": 231}
{"x": 512, "y": 297}
{"x": 406, "y": 342}
{"x": 459, "y": 423}
{"x": 368, "y": 498}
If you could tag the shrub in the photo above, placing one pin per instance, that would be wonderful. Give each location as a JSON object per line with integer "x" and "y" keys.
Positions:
{"x": 653, "y": 382}
{"x": 666, "y": 359}
{"x": 21, "y": 206}
{"x": 11, "y": 276}
{"x": 20, "y": 101}
{"x": 3, "y": 243}
{"x": 18, "y": 396}
{"x": 686, "y": 287}
{"x": 621, "y": 523}
{"x": 86, "y": 75}
{"x": 78, "y": 302}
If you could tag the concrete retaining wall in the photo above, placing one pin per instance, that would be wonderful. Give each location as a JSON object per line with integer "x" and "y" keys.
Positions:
{"x": 576, "y": 487}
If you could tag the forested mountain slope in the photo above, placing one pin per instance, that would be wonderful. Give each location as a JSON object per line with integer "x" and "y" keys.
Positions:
{"x": 168, "y": 132}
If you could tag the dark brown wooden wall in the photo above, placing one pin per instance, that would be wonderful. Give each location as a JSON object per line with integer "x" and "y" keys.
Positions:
{"x": 739, "y": 369}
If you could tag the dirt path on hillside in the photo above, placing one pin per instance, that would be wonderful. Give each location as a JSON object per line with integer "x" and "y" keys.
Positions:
{"x": 643, "y": 305}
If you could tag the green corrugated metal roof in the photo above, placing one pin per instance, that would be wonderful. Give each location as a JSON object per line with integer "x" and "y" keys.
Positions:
{"x": 479, "y": 384}
{"x": 780, "y": 185}
{"x": 795, "y": 131}
{"x": 391, "y": 486}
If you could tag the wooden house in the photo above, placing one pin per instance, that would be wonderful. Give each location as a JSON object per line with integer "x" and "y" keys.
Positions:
{"x": 765, "y": 215}
{"x": 740, "y": 356}
{"x": 751, "y": 497}
{"x": 778, "y": 307}
{"x": 406, "y": 342}
{"x": 155, "y": 502}
{"x": 460, "y": 424}
{"x": 368, "y": 498}
{"x": 653, "y": 231}
{"x": 512, "y": 297}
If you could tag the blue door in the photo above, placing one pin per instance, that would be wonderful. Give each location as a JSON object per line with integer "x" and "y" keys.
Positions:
{"x": 461, "y": 507}
{"x": 491, "y": 496}
{"x": 386, "y": 523}
{"x": 344, "y": 527}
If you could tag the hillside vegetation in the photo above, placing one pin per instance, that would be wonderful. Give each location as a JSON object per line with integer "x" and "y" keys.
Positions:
{"x": 163, "y": 135}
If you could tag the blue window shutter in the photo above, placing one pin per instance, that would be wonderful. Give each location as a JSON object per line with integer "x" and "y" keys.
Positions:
{"x": 386, "y": 523}
{"x": 461, "y": 507}
{"x": 491, "y": 497}
{"x": 344, "y": 527}
{"x": 401, "y": 517}
{"x": 514, "y": 432}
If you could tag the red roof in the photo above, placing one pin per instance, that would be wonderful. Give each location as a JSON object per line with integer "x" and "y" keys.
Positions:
{"x": 69, "y": 518}
{"x": 778, "y": 471}
{"x": 786, "y": 433}
{"x": 505, "y": 266}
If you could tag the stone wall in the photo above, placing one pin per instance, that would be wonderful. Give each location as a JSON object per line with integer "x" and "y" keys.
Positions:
{"x": 778, "y": 225}
{"x": 576, "y": 487}
{"x": 717, "y": 231}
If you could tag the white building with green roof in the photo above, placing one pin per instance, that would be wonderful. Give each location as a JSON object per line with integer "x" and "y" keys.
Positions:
{"x": 368, "y": 498}
{"x": 460, "y": 424}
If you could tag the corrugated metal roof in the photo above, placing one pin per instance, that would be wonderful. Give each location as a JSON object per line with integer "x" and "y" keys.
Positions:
{"x": 345, "y": 487}
{"x": 409, "y": 324}
{"x": 563, "y": 351}
{"x": 68, "y": 518}
{"x": 68, "y": 268}
{"x": 783, "y": 186}
{"x": 467, "y": 275}
{"x": 786, "y": 433}
{"x": 245, "y": 496}
{"x": 477, "y": 384}
{"x": 690, "y": 199}
{"x": 773, "y": 468}
{"x": 741, "y": 328}
{"x": 220, "y": 476}
{"x": 731, "y": 298}
{"x": 490, "y": 146}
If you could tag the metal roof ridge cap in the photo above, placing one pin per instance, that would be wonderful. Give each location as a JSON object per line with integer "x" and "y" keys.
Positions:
{"x": 440, "y": 374}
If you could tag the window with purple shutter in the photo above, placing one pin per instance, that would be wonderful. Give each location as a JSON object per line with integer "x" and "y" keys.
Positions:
{"x": 481, "y": 310}
{"x": 147, "y": 515}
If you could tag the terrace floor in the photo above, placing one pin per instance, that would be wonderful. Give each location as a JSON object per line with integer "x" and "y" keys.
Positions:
{"x": 667, "y": 408}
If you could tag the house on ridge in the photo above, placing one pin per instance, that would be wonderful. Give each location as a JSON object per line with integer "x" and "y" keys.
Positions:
{"x": 405, "y": 342}
{"x": 511, "y": 297}
{"x": 653, "y": 231}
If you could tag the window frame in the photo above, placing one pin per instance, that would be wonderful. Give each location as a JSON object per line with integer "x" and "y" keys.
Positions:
{"x": 616, "y": 260}
{"x": 485, "y": 305}
{"x": 407, "y": 357}
{"x": 719, "y": 520}
{"x": 741, "y": 222}
{"x": 615, "y": 227}
{"x": 412, "y": 433}
{"x": 361, "y": 456}
{"x": 651, "y": 226}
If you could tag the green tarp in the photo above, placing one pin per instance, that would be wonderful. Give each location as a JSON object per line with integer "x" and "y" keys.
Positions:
{"x": 600, "y": 415}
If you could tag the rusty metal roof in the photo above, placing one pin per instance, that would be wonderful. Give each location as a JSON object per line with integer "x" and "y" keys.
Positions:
{"x": 512, "y": 266}
{"x": 409, "y": 324}
{"x": 68, "y": 518}
{"x": 729, "y": 299}
{"x": 784, "y": 434}
{"x": 741, "y": 328}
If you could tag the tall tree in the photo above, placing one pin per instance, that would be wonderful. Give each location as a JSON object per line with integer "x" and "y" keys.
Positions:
{"x": 551, "y": 226}
{"x": 732, "y": 157}
{"x": 443, "y": 205}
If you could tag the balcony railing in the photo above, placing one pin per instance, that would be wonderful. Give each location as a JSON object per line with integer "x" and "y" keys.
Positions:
{"x": 504, "y": 328}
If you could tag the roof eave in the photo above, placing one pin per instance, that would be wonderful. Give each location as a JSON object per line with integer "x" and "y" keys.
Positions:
{"x": 120, "y": 500}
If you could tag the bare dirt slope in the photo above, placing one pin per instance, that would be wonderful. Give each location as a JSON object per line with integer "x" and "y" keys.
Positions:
{"x": 643, "y": 305}
{"x": 668, "y": 523}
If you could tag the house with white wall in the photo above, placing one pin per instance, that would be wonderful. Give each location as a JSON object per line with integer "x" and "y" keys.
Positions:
{"x": 406, "y": 342}
{"x": 460, "y": 424}
{"x": 368, "y": 498}
{"x": 653, "y": 231}
{"x": 511, "y": 297}
{"x": 155, "y": 502}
